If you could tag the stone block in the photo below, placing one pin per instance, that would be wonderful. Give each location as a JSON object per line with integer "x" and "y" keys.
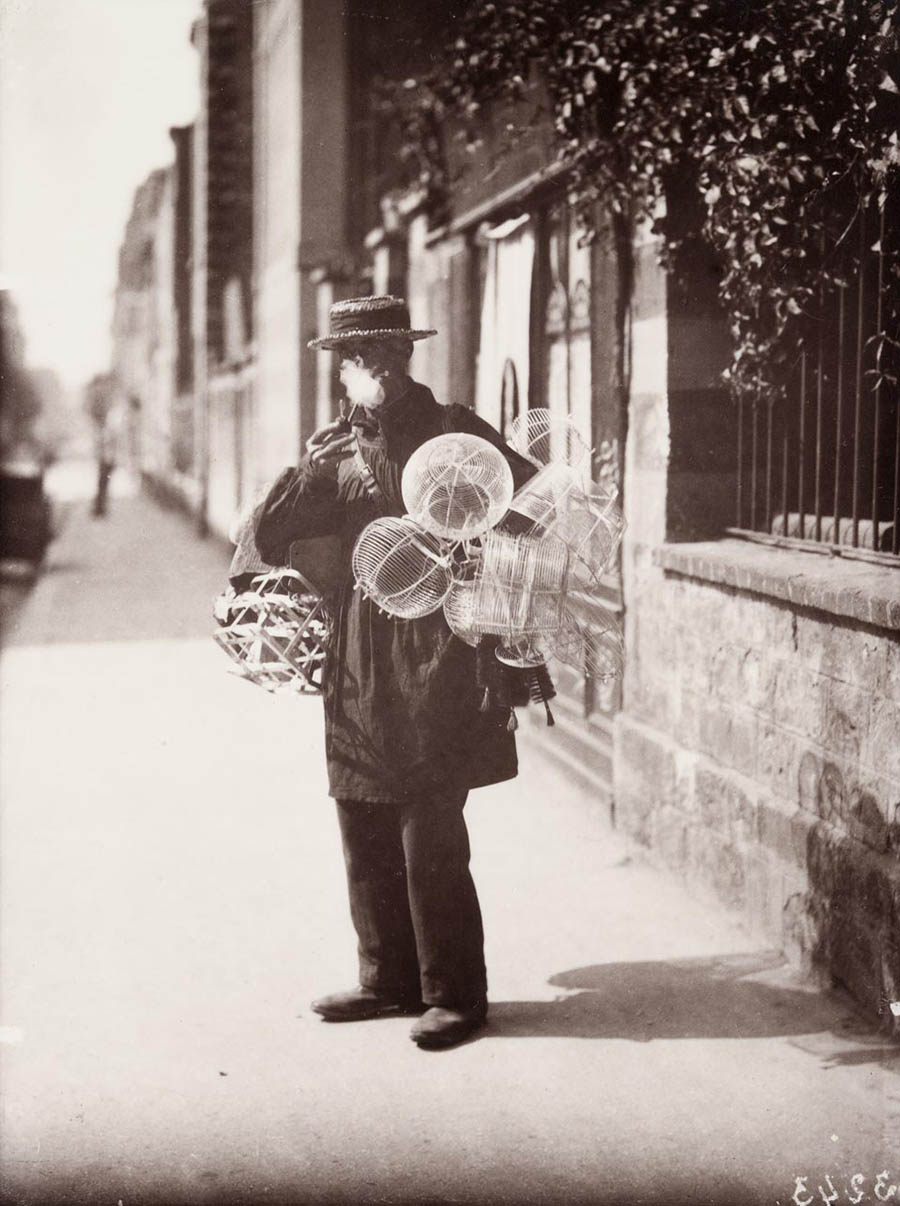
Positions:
{"x": 757, "y": 895}
{"x": 839, "y": 649}
{"x": 728, "y": 877}
{"x": 795, "y": 696}
{"x": 843, "y": 719}
{"x": 652, "y": 693}
{"x": 724, "y": 806}
{"x": 890, "y": 980}
{"x": 714, "y": 733}
{"x": 868, "y": 818}
{"x": 831, "y": 793}
{"x": 893, "y": 918}
{"x": 855, "y": 958}
{"x": 747, "y": 616}
{"x": 778, "y": 757}
{"x": 744, "y": 742}
{"x": 783, "y": 833}
{"x": 729, "y": 737}
{"x": 714, "y": 863}
{"x": 778, "y": 621}
{"x": 889, "y": 683}
{"x": 880, "y": 611}
{"x": 808, "y": 771}
{"x": 685, "y": 782}
{"x": 765, "y": 894}
{"x": 669, "y": 837}
{"x": 800, "y": 932}
{"x": 713, "y": 793}
{"x": 756, "y": 680}
{"x": 822, "y": 859}
{"x": 721, "y": 669}
{"x": 809, "y": 641}
{"x": 822, "y": 787}
{"x": 881, "y": 741}
{"x": 645, "y": 776}
{"x": 873, "y": 891}
{"x": 861, "y": 890}
{"x": 687, "y": 716}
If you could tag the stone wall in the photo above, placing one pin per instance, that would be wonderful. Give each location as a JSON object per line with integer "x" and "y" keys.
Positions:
{"x": 758, "y": 750}
{"x": 759, "y": 755}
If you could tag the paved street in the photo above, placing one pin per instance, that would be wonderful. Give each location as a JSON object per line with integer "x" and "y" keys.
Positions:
{"x": 172, "y": 898}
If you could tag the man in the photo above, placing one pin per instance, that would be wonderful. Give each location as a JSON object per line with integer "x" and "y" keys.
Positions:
{"x": 410, "y": 727}
{"x": 105, "y": 451}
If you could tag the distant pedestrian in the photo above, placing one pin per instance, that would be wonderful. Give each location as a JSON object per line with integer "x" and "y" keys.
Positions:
{"x": 105, "y": 453}
{"x": 410, "y": 728}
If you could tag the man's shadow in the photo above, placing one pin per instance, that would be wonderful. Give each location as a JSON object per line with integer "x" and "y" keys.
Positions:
{"x": 730, "y": 996}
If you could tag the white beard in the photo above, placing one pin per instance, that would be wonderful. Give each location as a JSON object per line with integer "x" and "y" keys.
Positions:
{"x": 362, "y": 388}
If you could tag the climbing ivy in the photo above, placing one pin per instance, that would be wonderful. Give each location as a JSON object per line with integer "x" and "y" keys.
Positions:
{"x": 779, "y": 116}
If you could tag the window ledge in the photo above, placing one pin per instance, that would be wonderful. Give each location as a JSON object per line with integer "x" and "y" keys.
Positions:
{"x": 858, "y": 589}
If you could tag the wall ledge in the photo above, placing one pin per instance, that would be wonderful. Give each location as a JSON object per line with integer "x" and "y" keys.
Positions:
{"x": 859, "y": 590}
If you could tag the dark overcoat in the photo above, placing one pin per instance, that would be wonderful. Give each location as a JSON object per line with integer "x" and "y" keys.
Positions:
{"x": 403, "y": 705}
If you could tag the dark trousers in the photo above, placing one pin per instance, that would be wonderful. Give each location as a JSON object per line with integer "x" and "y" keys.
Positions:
{"x": 413, "y": 902}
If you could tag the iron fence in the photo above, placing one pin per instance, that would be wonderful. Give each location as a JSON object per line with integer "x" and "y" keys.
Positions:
{"x": 820, "y": 465}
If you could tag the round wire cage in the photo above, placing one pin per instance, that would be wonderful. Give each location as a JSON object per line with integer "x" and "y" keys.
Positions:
{"x": 547, "y": 438}
{"x": 457, "y": 486}
{"x": 276, "y": 633}
{"x": 402, "y": 568}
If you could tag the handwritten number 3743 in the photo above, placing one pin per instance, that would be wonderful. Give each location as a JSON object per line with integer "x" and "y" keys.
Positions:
{"x": 855, "y": 1193}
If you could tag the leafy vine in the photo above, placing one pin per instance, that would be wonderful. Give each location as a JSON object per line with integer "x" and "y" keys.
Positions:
{"x": 780, "y": 117}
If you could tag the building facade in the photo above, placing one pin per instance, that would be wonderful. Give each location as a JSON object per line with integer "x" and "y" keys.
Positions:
{"x": 142, "y": 328}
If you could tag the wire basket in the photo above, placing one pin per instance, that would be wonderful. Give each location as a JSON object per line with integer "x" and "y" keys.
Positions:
{"x": 276, "y": 633}
{"x": 547, "y": 438}
{"x": 589, "y": 640}
{"x": 460, "y": 612}
{"x": 591, "y": 526}
{"x": 518, "y": 591}
{"x": 524, "y": 653}
{"x": 403, "y": 569}
{"x": 544, "y": 497}
{"x": 457, "y": 486}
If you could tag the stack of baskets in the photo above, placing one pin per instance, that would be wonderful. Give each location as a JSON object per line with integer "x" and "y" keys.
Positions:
{"x": 539, "y": 589}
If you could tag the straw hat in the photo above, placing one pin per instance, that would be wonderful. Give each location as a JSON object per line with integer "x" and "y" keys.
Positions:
{"x": 355, "y": 318}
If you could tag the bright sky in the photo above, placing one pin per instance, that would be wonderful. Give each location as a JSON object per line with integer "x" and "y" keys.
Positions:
{"x": 88, "y": 91}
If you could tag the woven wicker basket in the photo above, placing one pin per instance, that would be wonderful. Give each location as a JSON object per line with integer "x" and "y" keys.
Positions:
{"x": 276, "y": 633}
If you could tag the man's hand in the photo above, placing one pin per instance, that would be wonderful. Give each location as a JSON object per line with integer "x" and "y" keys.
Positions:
{"x": 331, "y": 444}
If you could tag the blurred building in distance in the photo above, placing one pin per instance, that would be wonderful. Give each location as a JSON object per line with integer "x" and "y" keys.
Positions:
{"x": 37, "y": 419}
{"x": 752, "y": 744}
{"x": 141, "y": 325}
{"x": 58, "y": 425}
{"x": 182, "y": 410}
{"x": 19, "y": 402}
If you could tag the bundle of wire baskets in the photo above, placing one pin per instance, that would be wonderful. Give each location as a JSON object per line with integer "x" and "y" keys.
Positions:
{"x": 539, "y": 589}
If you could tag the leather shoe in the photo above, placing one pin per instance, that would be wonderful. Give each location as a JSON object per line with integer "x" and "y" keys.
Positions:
{"x": 360, "y": 1003}
{"x": 441, "y": 1027}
